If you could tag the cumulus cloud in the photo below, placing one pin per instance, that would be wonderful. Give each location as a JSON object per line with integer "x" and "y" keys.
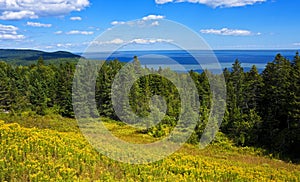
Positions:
{"x": 30, "y": 9}
{"x": 77, "y": 32}
{"x": 153, "y": 17}
{"x": 9, "y": 32}
{"x": 10, "y": 15}
{"x": 144, "y": 20}
{"x": 76, "y": 18}
{"x": 297, "y": 44}
{"x": 226, "y": 31}
{"x": 37, "y": 24}
{"x": 216, "y": 3}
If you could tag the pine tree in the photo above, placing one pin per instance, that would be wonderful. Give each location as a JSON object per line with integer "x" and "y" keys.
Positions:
{"x": 275, "y": 104}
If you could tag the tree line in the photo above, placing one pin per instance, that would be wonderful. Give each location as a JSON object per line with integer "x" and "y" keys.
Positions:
{"x": 263, "y": 109}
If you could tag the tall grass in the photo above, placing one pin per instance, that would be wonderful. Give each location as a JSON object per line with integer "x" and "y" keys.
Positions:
{"x": 51, "y": 148}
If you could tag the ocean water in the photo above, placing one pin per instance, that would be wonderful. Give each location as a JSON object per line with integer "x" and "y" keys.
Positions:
{"x": 183, "y": 61}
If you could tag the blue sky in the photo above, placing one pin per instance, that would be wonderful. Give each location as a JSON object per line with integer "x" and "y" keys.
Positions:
{"x": 70, "y": 25}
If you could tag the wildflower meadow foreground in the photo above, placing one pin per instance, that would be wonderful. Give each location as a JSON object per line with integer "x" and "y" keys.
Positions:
{"x": 44, "y": 149}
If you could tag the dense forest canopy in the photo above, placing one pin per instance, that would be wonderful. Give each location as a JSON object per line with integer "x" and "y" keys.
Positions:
{"x": 28, "y": 57}
{"x": 262, "y": 109}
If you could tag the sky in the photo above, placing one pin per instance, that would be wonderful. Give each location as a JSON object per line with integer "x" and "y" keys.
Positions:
{"x": 71, "y": 25}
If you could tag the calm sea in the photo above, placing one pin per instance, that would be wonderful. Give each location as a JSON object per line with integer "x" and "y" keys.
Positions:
{"x": 184, "y": 61}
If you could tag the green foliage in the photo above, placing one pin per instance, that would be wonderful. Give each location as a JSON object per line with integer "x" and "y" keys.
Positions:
{"x": 262, "y": 109}
{"x": 280, "y": 106}
{"x": 28, "y": 57}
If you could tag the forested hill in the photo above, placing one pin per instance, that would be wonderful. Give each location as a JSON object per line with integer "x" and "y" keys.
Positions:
{"x": 262, "y": 110}
{"x": 17, "y": 55}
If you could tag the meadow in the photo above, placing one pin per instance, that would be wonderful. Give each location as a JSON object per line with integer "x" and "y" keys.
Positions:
{"x": 51, "y": 148}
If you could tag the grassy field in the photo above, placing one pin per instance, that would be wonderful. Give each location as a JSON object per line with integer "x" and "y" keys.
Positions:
{"x": 51, "y": 148}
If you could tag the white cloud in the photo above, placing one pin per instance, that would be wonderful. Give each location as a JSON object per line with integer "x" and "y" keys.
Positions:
{"x": 297, "y": 44}
{"x": 119, "y": 41}
{"x": 153, "y": 17}
{"x": 216, "y": 3}
{"x": 37, "y": 24}
{"x": 76, "y": 18}
{"x": 11, "y": 37}
{"x": 58, "y": 32}
{"x": 144, "y": 20}
{"x": 77, "y": 32}
{"x": 8, "y": 29}
{"x": 156, "y": 23}
{"x": 226, "y": 31}
{"x": 9, "y": 32}
{"x": 65, "y": 45}
{"x": 149, "y": 41}
{"x": 30, "y": 9}
{"x": 118, "y": 23}
{"x": 10, "y": 15}
{"x": 163, "y": 1}
{"x": 114, "y": 41}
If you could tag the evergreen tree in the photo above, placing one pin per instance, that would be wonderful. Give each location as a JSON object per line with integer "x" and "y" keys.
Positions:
{"x": 275, "y": 104}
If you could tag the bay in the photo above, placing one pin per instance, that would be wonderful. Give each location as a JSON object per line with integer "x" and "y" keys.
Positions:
{"x": 197, "y": 60}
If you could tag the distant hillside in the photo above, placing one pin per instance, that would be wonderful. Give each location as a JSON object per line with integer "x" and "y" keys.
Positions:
{"x": 32, "y": 55}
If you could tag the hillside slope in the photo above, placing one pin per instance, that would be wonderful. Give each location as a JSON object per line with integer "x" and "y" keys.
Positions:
{"x": 31, "y": 154}
{"x": 33, "y": 55}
